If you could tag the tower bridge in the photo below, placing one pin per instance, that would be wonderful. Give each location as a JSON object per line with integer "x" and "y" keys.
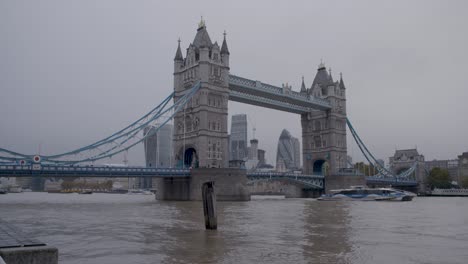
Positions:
{"x": 203, "y": 85}
{"x": 280, "y": 98}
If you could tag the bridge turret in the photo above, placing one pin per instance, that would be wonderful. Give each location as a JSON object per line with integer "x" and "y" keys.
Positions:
{"x": 324, "y": 133}
{"x": 342, "y": 88}
{"x": 178, "y": 59}
{"x": 303, "y": 87}
{"x": 200, "y": 134}
{"x": 225, "y": 52}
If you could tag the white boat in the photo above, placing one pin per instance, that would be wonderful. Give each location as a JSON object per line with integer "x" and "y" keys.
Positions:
{"x": 449, "y": 192}
{"x": 363, "y": 193}
{"x": 15, "y": 189}
{"x": 139, "y": 191}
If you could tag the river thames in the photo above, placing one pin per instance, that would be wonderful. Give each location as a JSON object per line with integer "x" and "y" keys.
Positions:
{"x": 120, "y": 228}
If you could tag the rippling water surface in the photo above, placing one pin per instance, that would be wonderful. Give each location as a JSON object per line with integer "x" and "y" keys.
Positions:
{"x": 119, "y": 228}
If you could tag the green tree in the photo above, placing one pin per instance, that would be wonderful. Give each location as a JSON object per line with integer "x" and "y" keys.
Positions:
{"x": 108, "y": 185}
{"x": 366, "y": 169}
{"x": 439, "y": 178}
{"x": 464, "y": 183}
{"x": 67, "y": 185}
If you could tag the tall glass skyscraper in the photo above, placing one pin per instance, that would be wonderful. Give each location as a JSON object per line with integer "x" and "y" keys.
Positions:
{"x": 158, "y": 146}
{"x": 288, "y": 156}
{"x": 158, "y": 150}
{"x": 238, "y": 138}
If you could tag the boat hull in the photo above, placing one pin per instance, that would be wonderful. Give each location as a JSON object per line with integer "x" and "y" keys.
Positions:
{"x": 367, "y": 194}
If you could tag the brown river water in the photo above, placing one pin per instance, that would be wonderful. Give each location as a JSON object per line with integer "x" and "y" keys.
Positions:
{"x": 121, "y": 228}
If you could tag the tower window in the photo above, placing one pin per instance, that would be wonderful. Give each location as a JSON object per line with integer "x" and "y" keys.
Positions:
{"x": 317, "y": 125}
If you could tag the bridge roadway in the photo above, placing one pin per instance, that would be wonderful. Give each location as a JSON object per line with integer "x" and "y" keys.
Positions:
{"x": 311, "y": 181}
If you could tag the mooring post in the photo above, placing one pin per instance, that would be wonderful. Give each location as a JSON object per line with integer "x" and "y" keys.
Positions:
{"x": 209, "y": 205}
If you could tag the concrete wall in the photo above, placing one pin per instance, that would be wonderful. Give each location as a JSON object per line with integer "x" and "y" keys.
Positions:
{"x": 30, "y": 255}
{"x": 230, "y": 185}
{"x": 172, "y": 189}
{"x": 281, "y": 187}
{"x": 334, "y": 182}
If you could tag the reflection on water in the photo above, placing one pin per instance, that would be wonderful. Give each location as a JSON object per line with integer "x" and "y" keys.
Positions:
{"x": 327, "y": 226}
{"x": 116, "y": 228}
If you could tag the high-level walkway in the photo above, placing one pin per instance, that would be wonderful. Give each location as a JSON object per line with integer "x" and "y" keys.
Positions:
{"x": 261, "y": 94}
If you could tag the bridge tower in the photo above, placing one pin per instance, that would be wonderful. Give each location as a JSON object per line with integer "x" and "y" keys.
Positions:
{"x": 404, "y": 159}
{"x": 200, "y": 130}
{"x": 324, "y": 132}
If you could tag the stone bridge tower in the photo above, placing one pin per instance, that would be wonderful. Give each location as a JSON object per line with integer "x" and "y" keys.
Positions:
{"x": 324, "y": 132}
{"x": 404, "y": 159}
{"x": 200, "y": 136}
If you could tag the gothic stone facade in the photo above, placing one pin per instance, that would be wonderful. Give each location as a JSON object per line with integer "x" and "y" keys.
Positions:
{"x": 324, "y": 132}
{"x": 200, "y": 131}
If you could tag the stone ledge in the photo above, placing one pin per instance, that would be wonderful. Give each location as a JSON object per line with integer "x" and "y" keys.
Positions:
{"x": 30, "y": 255}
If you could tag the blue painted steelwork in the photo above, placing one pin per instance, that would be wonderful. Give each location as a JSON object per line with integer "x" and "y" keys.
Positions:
{"x": 266, "y": 95}
{"x": 89, "y": 171}
{"x": 311, "y": 181}
{"x": 384, "y": 174}
{"x": 266, "y": 102}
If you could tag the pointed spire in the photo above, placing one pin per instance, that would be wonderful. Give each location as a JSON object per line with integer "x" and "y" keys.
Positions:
{"x": 202, "y": 39}
{"x": 321, "y": 65}
{"x": 224, "y": 47}
{"x": 342, "y": 85}
{"x": 178, "y": 55}
{"x": 303, "y": 87}
{"x": 201, "y": 24}
{"x": 330, "y": 75}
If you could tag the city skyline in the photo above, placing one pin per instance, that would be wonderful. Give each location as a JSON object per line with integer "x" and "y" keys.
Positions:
{"x": 53, "y": 79}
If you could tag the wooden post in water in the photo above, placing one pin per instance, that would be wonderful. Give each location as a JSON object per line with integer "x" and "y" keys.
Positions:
{"x": 209, "y": 205}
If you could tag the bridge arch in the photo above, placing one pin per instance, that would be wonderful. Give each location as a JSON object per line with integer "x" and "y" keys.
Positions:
{"x": 321, "y": 167}
{"x": 402, "y": 169}
{"x": 190, "y": 158}
{"x": 187, "y": 157}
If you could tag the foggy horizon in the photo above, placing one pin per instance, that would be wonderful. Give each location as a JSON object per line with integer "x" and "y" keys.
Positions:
{"x": 73, "y": 73}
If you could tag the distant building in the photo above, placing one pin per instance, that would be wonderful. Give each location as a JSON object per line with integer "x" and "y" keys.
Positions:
{"x": 287, "y": 157}
{"x": 158, "y": 146}
{"x": 404, "y": 159}
{"x": 261, "y": 157}
{"x": 297, "y": 152}
{"x": 238, "y": 137}
{"x": 462, "y": 166}
{"x": 6, "y": 182}
{"x": 252, "y": 161}
{"x": 158, "y": 151}
{"x": 450, "y": 165}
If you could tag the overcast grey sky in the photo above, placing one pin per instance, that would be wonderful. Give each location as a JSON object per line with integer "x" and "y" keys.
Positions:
{"x": 72, "y": 72}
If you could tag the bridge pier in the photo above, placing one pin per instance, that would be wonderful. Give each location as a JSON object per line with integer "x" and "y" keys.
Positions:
{"x": 230, "y": 185}
{"x": 333, "y": 182}
{"x": 282, "y": 187}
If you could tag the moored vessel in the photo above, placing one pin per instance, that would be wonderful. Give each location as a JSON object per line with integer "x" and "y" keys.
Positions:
{"x": 448, "y": 192}
{"x": 363, "y": 193}
{"x": 139, "y": 191}
{"x": 86, "y": 191}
